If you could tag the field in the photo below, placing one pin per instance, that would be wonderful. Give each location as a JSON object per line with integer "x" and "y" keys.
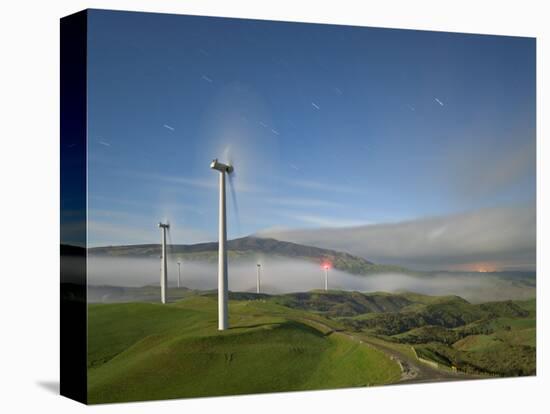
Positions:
{"x": 302, "y": 341}
{"x": 142, "y": 351}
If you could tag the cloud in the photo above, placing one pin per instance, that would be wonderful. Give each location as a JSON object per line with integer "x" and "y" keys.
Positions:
{"x": 168, "y": 127}
{"x": 302, "y": 202}
{"x": 321, "y": 186}
{"x": 322, "y": 221}
{"x": 502, "y": 237}
{"x": 280, "y": 275}
{"x": 492, "y": 170}
{"x": 210, "y": 183}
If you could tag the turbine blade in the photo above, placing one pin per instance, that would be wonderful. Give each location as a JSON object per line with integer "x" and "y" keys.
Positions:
{"x": 227, "y": 155}
{"x": 169, "y": 250}
{"x": 234, "y": 202}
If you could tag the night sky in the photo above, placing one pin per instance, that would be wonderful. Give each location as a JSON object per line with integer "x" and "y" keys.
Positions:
{"x": 328, "y": 127}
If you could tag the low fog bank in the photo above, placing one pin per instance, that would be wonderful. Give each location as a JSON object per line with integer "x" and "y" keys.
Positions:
{"x": 502, "y": 237}
{"x": 286, "y": 275}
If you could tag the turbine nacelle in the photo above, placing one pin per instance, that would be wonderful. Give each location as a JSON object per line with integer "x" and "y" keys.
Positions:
{"x": 224, "y": 168}
{"x": 164, "y": 225}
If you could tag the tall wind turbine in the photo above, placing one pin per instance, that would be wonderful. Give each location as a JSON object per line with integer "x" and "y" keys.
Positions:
{"x": 326, "y": 266}
{"x": 258, "y": 269}
{"x": 163, "y": 262}
{"x": 223, "y": 316}
{"x": 179, "y": 274}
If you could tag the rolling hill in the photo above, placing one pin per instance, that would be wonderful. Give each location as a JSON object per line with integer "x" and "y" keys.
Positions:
{"x": 143, "y": 351}
{"x": 300, "y": 341}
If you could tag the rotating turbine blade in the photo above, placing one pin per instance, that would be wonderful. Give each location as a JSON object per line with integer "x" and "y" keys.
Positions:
{"x": 169, "y": 245}
{"x": 233, "y": 193}
{"x": 228, "y": 157}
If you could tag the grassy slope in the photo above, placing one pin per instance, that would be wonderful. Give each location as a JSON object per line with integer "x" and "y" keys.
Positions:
{"x": 141, "y": 351}
{"x": 498, "y": 338}
{"x": 502, "y": 343}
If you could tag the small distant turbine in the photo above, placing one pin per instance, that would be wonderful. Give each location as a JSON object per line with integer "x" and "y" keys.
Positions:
{"x": 326, "y": 267}
{"x": 258, "y": 270}
{"x": 179, "y": 273}
{"x": 223, "y": 293}
{"x": 163, "y": 262}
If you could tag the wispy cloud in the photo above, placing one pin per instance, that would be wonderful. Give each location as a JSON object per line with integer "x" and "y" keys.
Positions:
{"x": 207, "y": 79}
{"x": 104, "y": 143}
{"x": 199, "y": 183}
{"x": 193, "y": 182}
{"x": 321, "y": 186}
{"x": 169, "y": 127}
{"x": 324, "y": 221}
{"x": 302, "y": 202}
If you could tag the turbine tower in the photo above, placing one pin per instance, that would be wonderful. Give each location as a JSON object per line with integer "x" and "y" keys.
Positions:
{"x": 223, "y": 316}
{"x": 179, "y": 274}
{"x": 163, "y": 262}
{"x": 258, "y": 269}
{"x": 326, "y": 277}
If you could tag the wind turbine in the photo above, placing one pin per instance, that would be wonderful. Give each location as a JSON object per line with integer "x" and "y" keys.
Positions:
{"x": 326, "y": 266}
{"x": 179, "y": 273}
{"x": 163, "y": 262}
{"x": 258, "y": 269}
{"x": 223, "y": 317}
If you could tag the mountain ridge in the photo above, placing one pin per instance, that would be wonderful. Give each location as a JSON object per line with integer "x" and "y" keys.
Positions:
{"x": 249, "y": 247}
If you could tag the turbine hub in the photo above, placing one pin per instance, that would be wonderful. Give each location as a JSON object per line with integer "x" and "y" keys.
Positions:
{"x": 216, "y": 165}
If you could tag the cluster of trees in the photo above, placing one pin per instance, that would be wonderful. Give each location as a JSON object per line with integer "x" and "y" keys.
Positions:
{"x": 501, "y": 359}
{"x": 450, "y": 314}
{"x": 343, "y": 304}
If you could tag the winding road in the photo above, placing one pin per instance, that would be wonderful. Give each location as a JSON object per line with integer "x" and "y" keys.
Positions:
{"x": 412, "y": 370}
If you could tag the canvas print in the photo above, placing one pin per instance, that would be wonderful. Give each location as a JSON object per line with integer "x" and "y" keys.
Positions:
{"x": 275, "y": 206}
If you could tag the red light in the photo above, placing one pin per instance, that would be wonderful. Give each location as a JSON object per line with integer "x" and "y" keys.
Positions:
{"x": 326, "y": 265}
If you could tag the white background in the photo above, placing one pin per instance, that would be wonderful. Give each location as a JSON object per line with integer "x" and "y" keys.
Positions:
{"x": 29, "y": 194}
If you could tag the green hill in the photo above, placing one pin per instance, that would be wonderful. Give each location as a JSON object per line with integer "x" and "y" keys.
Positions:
{"x": 302, "y": 341}
{"x": 496, "y": 338}
{"x": 142, "y": 351}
